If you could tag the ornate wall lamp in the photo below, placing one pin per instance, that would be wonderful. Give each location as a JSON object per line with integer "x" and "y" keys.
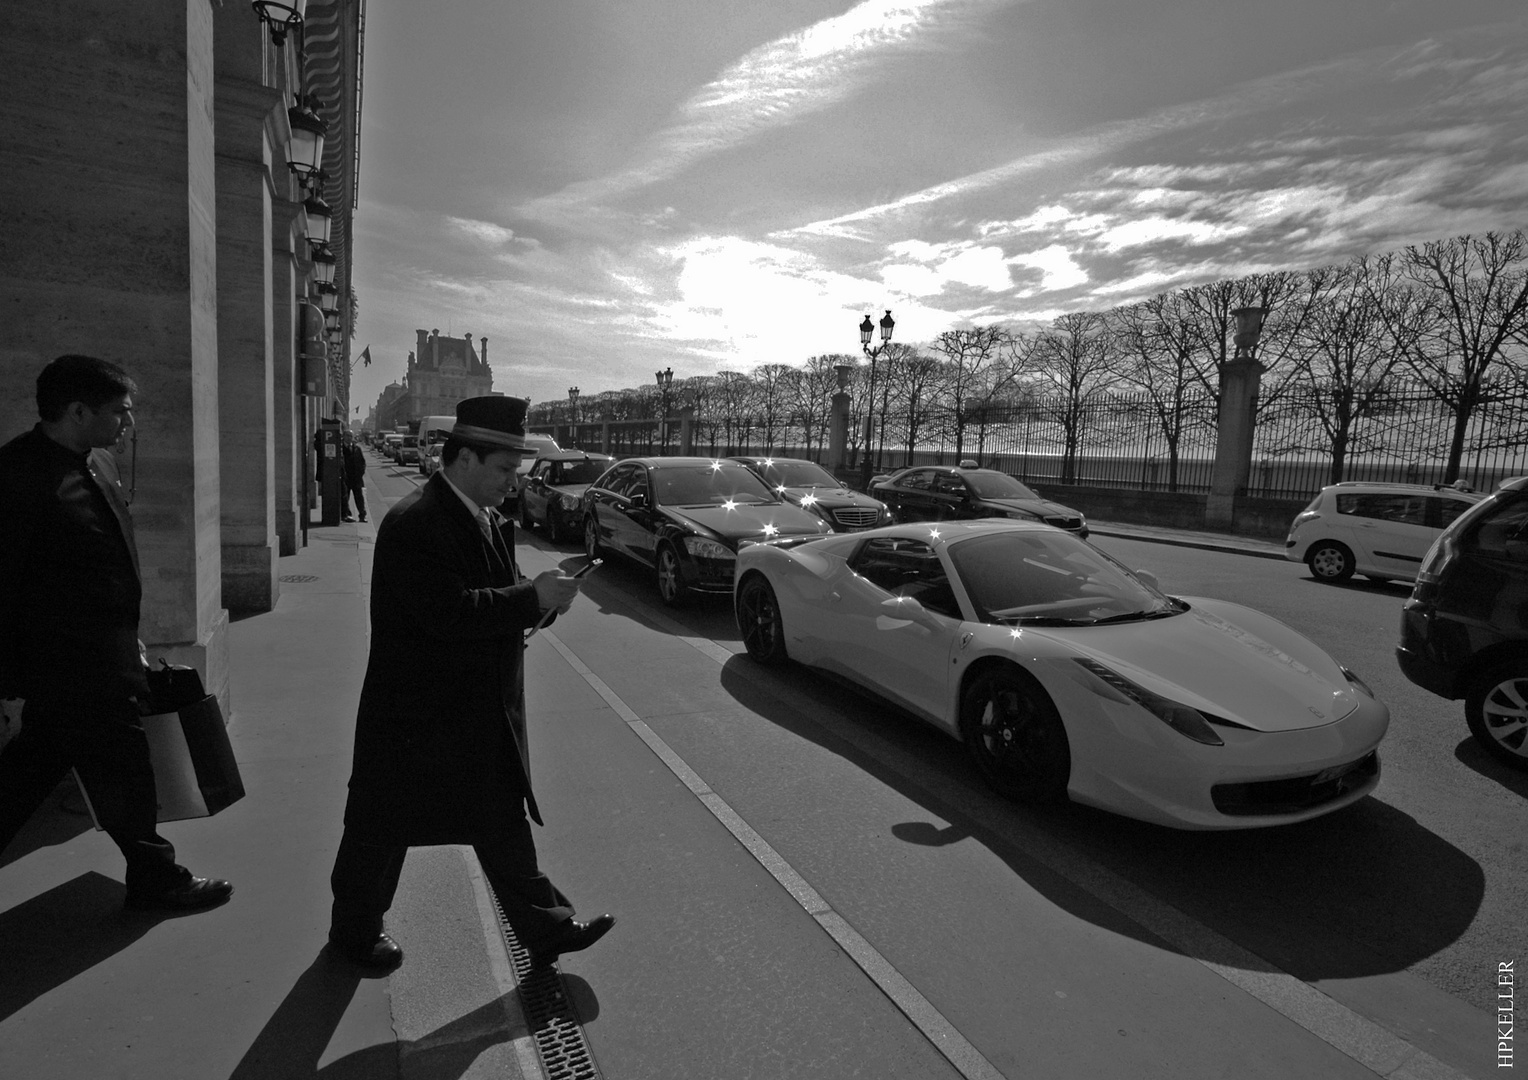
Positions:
{"x": 305, "y": 154}
{"x": 280, "y": 17}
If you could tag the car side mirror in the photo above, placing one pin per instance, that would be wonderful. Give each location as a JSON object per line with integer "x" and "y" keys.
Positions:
{"x": 906, "y": 607}
{"x": 1149, "y": 578}
{"x": 639, "y": 501}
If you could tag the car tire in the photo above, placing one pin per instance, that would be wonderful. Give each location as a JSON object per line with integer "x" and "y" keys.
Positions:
{"x": 525, "y": 516}
{"x": 1015, "y": 735}
{"x": 670, "y": 577}
{"x": 1330, "y": 561}
{"x": 592, "y": 539}
{"x": 554, "y": 531}
{"x": 1496, "y": 708}
{"x": 759, "y": 622}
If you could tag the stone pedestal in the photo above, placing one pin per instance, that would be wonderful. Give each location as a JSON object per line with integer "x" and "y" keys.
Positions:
{"x": 1239, "y": 383}
{"x": 838, "y": 433}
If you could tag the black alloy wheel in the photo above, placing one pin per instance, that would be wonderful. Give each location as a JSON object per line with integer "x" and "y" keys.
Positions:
{"x": 1015, "y": 735}
{"x": 670, "y": 575}
{"x": 1330, "y": 561}
{"x": 1496, "y": 708}
{"x": 592, "y": 538}
{"x": 759, "y": 622}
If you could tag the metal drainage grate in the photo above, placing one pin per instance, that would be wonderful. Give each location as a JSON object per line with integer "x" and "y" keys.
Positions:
{"x": 297, "y": 579}
{"x": 549, "y": 1013}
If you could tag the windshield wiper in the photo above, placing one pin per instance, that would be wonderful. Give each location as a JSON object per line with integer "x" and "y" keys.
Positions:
{"x": 1142, "y": 616}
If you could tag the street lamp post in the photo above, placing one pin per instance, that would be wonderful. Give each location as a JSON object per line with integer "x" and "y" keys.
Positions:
{"x": 867, "y": 331}
{"x": 573, "y": 403}
{"x": 665, "y": 384}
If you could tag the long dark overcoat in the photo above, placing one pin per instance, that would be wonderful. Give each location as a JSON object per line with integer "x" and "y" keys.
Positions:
{"x": 440, "y": 750}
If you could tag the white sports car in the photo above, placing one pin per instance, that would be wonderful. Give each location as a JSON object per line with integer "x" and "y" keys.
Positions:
{"x": 1067, "y": 674}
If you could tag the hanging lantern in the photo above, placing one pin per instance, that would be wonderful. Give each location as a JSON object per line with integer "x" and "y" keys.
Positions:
{"x": 320, "y": 220}
{"x": 280, "y": 17}
{"x": 305, "y": 154}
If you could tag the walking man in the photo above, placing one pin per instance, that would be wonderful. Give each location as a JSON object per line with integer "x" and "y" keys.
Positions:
{"x": 354, "y": 463}
{"x": 440, "y": 742}
{"x": 70, "y": 659}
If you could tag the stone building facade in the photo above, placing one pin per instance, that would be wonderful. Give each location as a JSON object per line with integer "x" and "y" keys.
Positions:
{"x": 441, "y": 372}
{"x": 148, "y": 216}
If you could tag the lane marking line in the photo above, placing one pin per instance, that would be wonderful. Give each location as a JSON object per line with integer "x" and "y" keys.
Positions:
{"x": 944, "y": 1037}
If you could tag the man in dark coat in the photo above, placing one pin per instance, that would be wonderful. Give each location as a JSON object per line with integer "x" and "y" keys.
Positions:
{"x": 440, "y": 743}
{"x": 69, "y": 651}
{"x": 354, "y": 477}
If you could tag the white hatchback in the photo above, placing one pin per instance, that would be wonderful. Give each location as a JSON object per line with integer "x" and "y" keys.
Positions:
{"x": 1379, "y": 530}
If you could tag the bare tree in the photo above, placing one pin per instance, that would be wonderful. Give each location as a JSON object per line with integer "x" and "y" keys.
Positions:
{"x": 912, "y": 379}
{"x": 978, "y": 366}
{"x": 773, "y": 389}
{"x": 733, "y": 394}
{"x": 1352, "y": 347}
{"x": 1155, "y": 344}
{"x": 812, "y": 395}
{"x": 1072, "y": 360}
{"x": 1477, "y": 288}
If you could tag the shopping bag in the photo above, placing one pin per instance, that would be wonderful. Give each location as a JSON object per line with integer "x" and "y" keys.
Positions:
{"x": 195, "y": 774}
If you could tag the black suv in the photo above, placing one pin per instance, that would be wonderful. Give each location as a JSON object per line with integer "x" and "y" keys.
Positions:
{"x": 1464, "y": 632}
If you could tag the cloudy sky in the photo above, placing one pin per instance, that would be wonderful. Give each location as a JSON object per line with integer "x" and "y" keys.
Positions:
{"x": 604, "y": 188}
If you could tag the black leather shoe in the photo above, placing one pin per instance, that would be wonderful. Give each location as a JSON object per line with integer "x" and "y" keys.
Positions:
{"x": 571, "y": 937}
{"x": 193, "y": 893}
{"x": 380, "y": 953}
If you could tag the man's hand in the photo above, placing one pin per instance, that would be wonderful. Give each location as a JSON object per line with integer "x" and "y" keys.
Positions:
{"x": 555, "y": 590}
{"x": 10, "y": 708}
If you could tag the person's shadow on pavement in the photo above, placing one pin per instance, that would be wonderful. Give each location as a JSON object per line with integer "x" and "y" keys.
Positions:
{"x": 64, "y": 932}
{"x": 293, "y": 1041}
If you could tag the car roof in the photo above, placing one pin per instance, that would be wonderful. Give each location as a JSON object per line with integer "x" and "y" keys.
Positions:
{"x": 671, "y": 462}
{"x": 760, "y": 459}
{"x": 573, "y": 455}
{"x": 1401, "y": 488}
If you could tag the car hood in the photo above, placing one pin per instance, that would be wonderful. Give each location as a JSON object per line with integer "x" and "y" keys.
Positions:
{"x": 1043, "y": 507}
{"x": 1209, "y": 663}
{"x": 826, "y": 496}
{"x": 747, "y": 521}
{"x": 574, "y": 490}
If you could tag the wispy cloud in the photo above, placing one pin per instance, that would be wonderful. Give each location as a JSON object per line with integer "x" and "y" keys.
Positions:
{"x": 781, "y": 83}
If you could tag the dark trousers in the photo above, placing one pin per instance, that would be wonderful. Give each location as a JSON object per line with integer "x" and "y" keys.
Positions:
{"x": 357, "y": 489}
{"x": 104, "y": 741}
{"x": 366, "y": 874}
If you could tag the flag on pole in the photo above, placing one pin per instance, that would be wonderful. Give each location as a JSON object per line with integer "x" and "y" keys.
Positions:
{"x": 366, "y": 356}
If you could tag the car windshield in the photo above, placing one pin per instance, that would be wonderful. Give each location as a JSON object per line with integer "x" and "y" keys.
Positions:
{"x": 1051, "y": 578}
{"x": 691, "y": 485}
{"x": 577, "y": 472}
{"x": 796, "y": 474}
{"x": 996, "y": 485}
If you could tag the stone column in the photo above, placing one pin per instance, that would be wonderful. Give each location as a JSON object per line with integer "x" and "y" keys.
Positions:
{"x": 686, "y": 430}
{"x": 108, "y": 246}
{"x": 1239, "y": 382}
{"x": 246, "y": 402}
{"x": 838, "y": 433}
{"x": 287, "y": 277}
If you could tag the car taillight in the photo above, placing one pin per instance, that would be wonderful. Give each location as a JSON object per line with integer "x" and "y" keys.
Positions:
{"x": 1443, "y": 551}
{"x": 1302, "y": 517}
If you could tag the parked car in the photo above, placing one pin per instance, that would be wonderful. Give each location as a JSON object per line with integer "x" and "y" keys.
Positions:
{"x": 808, "y": 485}
{"x": 408, "y": 450}
{"x": 544, "y": 444}
{"x": 552, "y": 492}
{"x": 957, "y": 492}
{"x": 1378, "y": 530}
{"x": 1068, "y": 675}
{"x": 390, "y": 445}
{"x": 429, "y": 458}
{"x": 1464, "y": 631}
{"x": 687, "y": 517}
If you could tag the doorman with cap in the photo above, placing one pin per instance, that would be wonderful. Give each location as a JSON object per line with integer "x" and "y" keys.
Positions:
{"x": 440, "y": 742}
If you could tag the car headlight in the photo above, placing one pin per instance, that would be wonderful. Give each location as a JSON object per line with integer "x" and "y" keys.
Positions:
{"x": 568, "y": 502}
{"x": 1358, "y": 684}
{"x": 702, "y": 548}
{"x": 1186, "y": 721}
{"x": 1022, "y": 515}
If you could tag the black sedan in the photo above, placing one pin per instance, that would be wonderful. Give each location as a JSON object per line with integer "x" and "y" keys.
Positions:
{"x": 553, "y": 491}
{"x": 686, "y": 517}
{"x": 811, "y": 487}
{"x": 951, "y": 492}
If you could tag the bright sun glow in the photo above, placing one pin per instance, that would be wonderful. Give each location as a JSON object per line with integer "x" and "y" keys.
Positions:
{"x": 806, "y": 500}
{"x": 770, "y": 530}
{"x": 933, "y": 534}
{"x": 730, "y": 504}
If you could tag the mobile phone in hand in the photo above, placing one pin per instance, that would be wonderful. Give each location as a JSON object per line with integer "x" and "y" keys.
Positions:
{"x": 592, "y": 564}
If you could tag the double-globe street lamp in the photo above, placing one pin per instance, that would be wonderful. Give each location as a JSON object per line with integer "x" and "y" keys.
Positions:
{"x": 665, "y": 385}
{"x": 573, "y": 403}
{"x": 867, "y": 331}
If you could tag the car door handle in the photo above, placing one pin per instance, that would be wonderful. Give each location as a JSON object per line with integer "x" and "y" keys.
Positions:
{"x": 834, "y": 595}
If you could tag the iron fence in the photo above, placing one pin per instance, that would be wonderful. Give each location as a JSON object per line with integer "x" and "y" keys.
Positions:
{"x": 1122, "y": 440}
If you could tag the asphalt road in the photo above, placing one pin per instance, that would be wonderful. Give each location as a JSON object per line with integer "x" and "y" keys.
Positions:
{"x": 1399, "y": 908}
